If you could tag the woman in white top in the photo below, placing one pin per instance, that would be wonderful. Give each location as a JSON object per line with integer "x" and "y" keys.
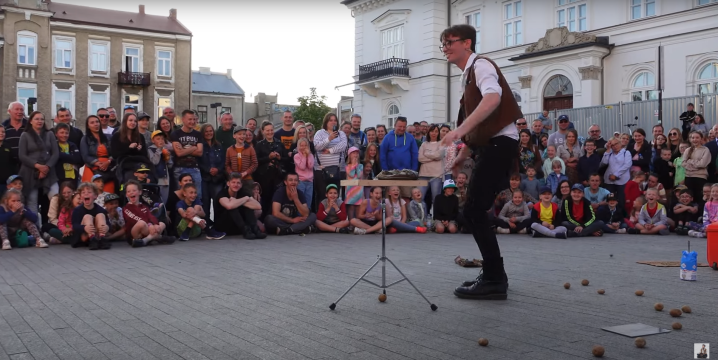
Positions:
{"x": 431, "y": 156}
{"x": 330, "y": 144}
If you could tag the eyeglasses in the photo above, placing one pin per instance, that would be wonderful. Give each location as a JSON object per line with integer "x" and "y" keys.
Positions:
{"x": 594, "y": 131}
{"x": 673, "y": 134}
{"x": 521, "y": 124}
{"x": 448, "y": 43}
{"x": 103, "y": 116}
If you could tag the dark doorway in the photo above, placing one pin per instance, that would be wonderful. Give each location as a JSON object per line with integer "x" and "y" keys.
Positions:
{"x": 558, "y": 94}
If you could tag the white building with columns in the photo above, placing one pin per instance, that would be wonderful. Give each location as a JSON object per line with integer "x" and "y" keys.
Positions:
{"x": 555, "y": 54}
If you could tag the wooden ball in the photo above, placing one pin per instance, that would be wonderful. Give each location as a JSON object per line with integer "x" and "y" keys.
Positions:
{"x": 639, "y": 292}
{"x": 640, "y": 342}
{"x": 584, "y": 282}
{"x": 566, "y": 286}
{"x": 598, "y": 351}
{"x": 686, "y": 309}
{"x": 601, "y": 291}
{"x": 677, "y": 326}
{"x": 658, "y": 307}
{"x": 483, "y": 342}
{"x": 382, "y": 297}
{"x": 675, "y": 312}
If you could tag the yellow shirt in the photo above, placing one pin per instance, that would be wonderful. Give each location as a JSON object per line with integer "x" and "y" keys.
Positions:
{"x": 69, "y": 169}
{"x": 546, "y": 214}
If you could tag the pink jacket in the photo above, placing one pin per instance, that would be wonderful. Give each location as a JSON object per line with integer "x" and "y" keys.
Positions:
{"x": 304, "y": 166}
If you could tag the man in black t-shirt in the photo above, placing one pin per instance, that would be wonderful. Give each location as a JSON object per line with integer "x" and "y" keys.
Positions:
{"x": 234, "y": 210}
{"x": 187, "y": 145}
{"x": 290, "y": 213}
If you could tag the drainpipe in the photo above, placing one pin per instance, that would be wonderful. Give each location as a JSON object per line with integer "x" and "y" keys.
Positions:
{"x": 448, "y": 68}
{"x": 603, "y": 71}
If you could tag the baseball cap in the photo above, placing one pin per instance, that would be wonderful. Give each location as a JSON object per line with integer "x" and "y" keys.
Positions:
{"x": 611, "y": 197}
{"x": 111, "y": 197}
{"x": 157, "y": 132}
{"x": 238, "y": 128}
{"x": 96, "y": 176}
{"x": 142, "y": 168}
{"x": 13, "y": 178}
{"x": 449, "y": 184}
{"x": 332, "y": 186}
{"x": 142, "y": 115}
{"x": 545, "y": 189}
{"x": 563, "y": 117}
{"x": 352, "y": 149}
{"x": 577, "y": 187}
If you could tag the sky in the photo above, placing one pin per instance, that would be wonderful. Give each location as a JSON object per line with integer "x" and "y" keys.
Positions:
{"x": 272, "y": 46}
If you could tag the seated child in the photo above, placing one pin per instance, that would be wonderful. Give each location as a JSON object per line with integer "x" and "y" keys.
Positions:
{"x": 141, "y": 227}
{"x": 594, "y": 193}
{"x": 633, "y": 188}
{"x": 161, "y": 159}
{"x": 114, "y": 215}
{"x": 652, "y": 219}
{"x": 89, "y": 220}
{"x": 710, "y": 215}
{"x": 679, "y": 177}
{"x": 100, "y": 184}
{"x": 530, "y": 185}
{"x": 543, "y": 217}
{"x": 446, "y": 209}
{"x": 150, "y": 192}
{"x": 257, "y": 195}
{"x": 705, "y": 198}
{"x": 396, "y": 208}
{"x": 461, "y": 190}
{"x": 578, "y": 216}
{"x": 50, "y": 230}
{"x": 64, "y": 223}
{"x": 191, "y": 223}
{"x": 555, "y": 176}
{"x": 635, "y": 212}
{"x": 368, "y": 218}
{"x": 514, "y": 217}
{"x": 507, "y": 195}
{"x": 551, "y": 156}
{"x": 15, "y": 217}
{"x": 417, "y": 213}
{"x": 14, "y": 182}
{"x": 685, "y": 212}
{"x": 332, "y": 214}
{"x": 612, "y": 216}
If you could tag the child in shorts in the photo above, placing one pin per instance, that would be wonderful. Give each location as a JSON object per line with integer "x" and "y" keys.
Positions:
{"x": 191, "y": 222}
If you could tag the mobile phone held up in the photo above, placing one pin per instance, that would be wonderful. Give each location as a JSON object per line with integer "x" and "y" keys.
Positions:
{"x": 336, "y": 128}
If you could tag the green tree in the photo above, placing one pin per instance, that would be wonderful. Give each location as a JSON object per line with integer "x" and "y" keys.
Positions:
{"x": 312, "y": 108}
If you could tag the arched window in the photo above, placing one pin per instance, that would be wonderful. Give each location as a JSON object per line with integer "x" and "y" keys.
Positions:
{"x": 392, "y": 113}
{"x": 559, "y": 85}
{"x": 643, "y": 87}
{"x": 708, "y": 78}
{"x": 26, "y": 48}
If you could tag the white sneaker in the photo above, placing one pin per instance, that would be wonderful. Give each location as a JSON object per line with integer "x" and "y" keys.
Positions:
{"x": 522, "y": 231}
{"x": 502, "y": 231}
{"x": 696, "y": 234}
{"x": 359, "y": 231}
{"x": 40, "y": 243}
{"x": 621, "y": 231}
{"x": 6, "y": 245}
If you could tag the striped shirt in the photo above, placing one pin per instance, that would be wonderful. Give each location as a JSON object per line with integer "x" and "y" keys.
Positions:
{"x": 12, "y": 138}
{"x": 336, "y": 149}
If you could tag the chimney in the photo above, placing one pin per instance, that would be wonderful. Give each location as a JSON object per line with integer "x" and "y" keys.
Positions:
{"x": 229, "y": 74}
{"x": 173, "y": 14}
{"x": 142, "y": 9}
{"x": 204, "y": 70}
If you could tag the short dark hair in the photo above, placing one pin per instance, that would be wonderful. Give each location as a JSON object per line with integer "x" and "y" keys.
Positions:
{"x": 288, "y": 174}
{"x": 185, "y": 112}
{"x": 691, "y": 104}
{"x": 234, "y": 175}
{"x": 62, "y": 109}
{"x": 250, "y": 119}
{"x": 101, "y": 109}
{"x": 658, "y": 125}
{"x": 62, "y": 126}
{"x": 594, "y": 174}
{"x": 416, "y": 123}
{"x": 189, "y": 186}
{"x": 687, "y": 191}
{"x": 266, "y": 123}
{"x": 463, "y": 32}
{"x": 400, "y": 118}
{"x": 184, "y": 175}
{"x": 133, "y": 182}
{"x": 587, "y": 141}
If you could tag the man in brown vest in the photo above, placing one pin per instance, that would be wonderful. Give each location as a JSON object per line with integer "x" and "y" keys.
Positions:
{"x": 486, "y": 125}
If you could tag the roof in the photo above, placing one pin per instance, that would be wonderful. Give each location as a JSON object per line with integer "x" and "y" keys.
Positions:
{"x": 214, "y": 83}
{"x": 347, "y": 2}
{"x": 118, "y": 19}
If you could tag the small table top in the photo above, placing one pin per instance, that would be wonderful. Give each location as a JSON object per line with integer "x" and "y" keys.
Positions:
{"x": 385, "y": 183}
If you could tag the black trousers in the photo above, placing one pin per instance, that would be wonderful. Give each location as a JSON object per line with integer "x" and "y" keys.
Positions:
{"x": 695, "y": 185}
{"x": 234, "y": 222}
{"x": 519, "y": 226}
{"x": 491, "y": 176}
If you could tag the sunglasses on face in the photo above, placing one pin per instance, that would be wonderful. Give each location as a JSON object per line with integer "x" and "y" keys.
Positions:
{"x": 103, "y": 116}
{"x": 521, "y": 124}
{"x": 563, "y": 121}
{"x": 673, "y": 134}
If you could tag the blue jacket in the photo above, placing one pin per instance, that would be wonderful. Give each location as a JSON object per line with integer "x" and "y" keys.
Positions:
{"x": 552, "y": 180}
{"x": 6, "y": 215}
{"x": 212, "y": 157}
{"x": 398, "y": 152}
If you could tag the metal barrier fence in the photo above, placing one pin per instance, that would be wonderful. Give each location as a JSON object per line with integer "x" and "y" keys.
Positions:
{"x": 616, "y": 117}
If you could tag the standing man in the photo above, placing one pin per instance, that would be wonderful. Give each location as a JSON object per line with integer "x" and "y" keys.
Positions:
{"x": 536, "y": 131}
{"x": 546, "y": 123}
{"x": 187, "y": 146}
{"x": 486, "y": 125}
{"x": 619, "y": 162}
{"x": 521, "y": 124}
{"x": 113, "y": 123}
{"x": 657, "y": 130}
{"x": 225, "y": 132}
{"x": 297, "y": 124}
{"x": 416, "y": 131}
{"x": 357, "y": 138}
{"x": 399, "y": 151}
{"x": 424, "y": 130}
{"x": 594, "y": 133}
{"x": 143, "y": 125}
{"x": 14, "y": 127}
{"x": 104, "y": 116}
{"x": 169, "y": 113}
{"x": 65, "y": 117}
{"x": 129, "y": 109}
{"x": 559, "y": 137}
{"x": 252, "y": 129}
{"x": 286, "y": 137}
{"x": 687, "y": 118}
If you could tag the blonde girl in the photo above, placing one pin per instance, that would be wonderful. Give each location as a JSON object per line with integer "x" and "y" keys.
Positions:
{"x": 355, "y": 171}
{"x": 15, "y": 216}
{"x": 396, "y": 207}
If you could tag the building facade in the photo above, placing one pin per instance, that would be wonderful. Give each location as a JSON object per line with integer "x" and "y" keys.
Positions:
{"x": 555, "y": 54}
{"x": 85, "y": 58}
{"x": 215, "y": 93}
{"x": 265, "y": 108}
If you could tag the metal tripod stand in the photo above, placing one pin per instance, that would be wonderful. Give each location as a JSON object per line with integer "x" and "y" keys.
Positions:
{"x": 383, "y": 259}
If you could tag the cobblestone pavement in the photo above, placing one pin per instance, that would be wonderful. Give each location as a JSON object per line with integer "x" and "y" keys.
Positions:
{"x": 237, "y": 299}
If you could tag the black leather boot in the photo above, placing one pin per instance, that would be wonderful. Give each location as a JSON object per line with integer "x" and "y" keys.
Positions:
{"x": 478, "y": 278}
{"x": 491, "y": 285}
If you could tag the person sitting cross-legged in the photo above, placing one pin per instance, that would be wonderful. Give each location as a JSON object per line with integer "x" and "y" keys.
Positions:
{"x": 90, "y": 220}
{"x": 577, "y": 215}
{"x": 653, "y": 216}
{"x": 332, "y": 214}
{"x": 235, "y": 209}
{"x": 368, "y": 218}
{"x": 290, "y": 213}
{"x": 141, "y": 227}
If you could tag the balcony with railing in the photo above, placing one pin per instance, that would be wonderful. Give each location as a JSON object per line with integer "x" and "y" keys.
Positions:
{"x": 133, "y": 78}
{"x": 384, "y": 75}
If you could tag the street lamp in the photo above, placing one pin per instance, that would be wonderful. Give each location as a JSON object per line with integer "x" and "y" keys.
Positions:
{"x": 216, "y": 107}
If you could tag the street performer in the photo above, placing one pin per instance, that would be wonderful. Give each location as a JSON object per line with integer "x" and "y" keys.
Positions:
{"x": 486, "y": 125}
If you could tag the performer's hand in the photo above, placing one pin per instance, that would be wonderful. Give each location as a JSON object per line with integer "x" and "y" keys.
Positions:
{"x": 450, "y": 137}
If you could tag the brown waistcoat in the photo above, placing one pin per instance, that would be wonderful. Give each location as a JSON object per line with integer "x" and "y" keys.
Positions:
{"x": 506, "y": 113}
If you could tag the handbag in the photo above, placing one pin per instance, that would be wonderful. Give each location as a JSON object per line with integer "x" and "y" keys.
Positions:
{"x": 331, "y": 174}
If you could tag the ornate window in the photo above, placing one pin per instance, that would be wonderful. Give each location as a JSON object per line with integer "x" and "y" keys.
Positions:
{"x": 572, "y": 14}
{"x": 513, "y": 32}
{"x": 559, "y": 85}
{"x": 392, "y": 113}
{"x": 643, "y": 87}
{"x": 392, "y": 43}
{"x": 474, "y": 20}
{"x": 708, "y": 78}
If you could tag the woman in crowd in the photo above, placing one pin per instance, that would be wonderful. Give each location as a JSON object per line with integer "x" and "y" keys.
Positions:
{"x": 563, "y": 192}
{"x": 269, "y": 170}
{"x": 380, "y": 133}
{"x": 38, "y": 153}
{"x": 529, "y": 154}
{"x": 640, "y": 151}
{"x": 212, "y": 167}
{"x": 674, "y": 142}
{"x": 330, "y": 146}
{"x": 95, "y": 151}
{"x": 128, "y": 147}
{"x": 372, "y": 165}
{"x": 699, "y": 124}
{"x": 165, "y": 125}
{"x": 370, "y": 135}
{"x": 301, "y": 132}
{"x": 695, "y": 162}
{"x": 570, "y": 152}
{"x": 173, "y": 199}
{"x": 431, "y": 157}
{"x": 659, "y": 142}
{"x": 625, "y": 140}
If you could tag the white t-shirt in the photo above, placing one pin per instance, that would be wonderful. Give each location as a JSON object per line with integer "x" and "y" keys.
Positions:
{"x": 487, "y": 80}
